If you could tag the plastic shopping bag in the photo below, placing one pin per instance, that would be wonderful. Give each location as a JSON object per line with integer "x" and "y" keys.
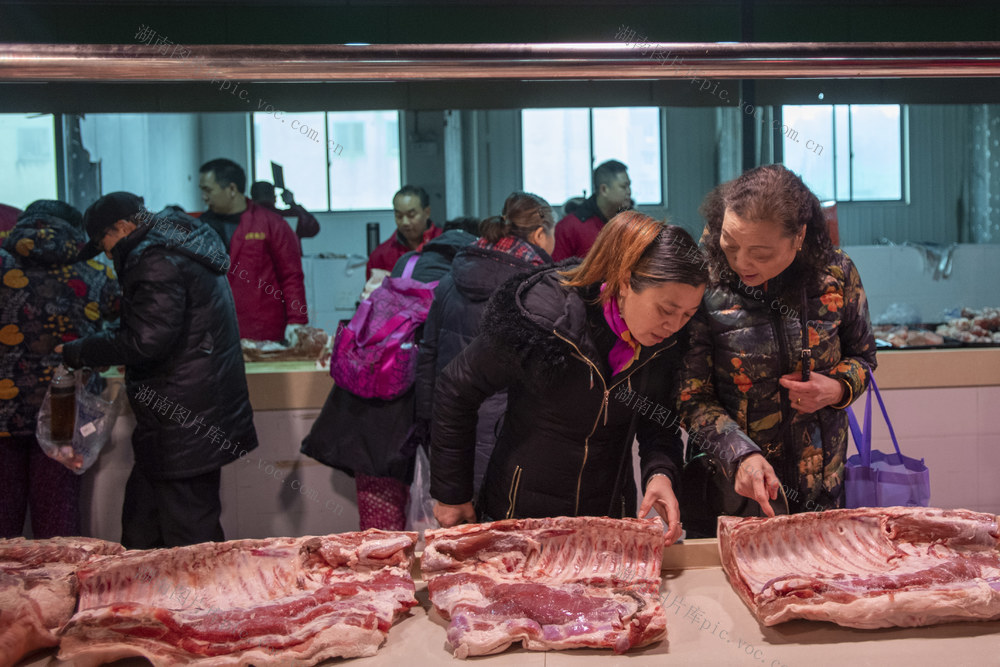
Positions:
{"x": 95, "y": 420}
{"x": 874, "y": 479}
{"x": 420, "y": 513}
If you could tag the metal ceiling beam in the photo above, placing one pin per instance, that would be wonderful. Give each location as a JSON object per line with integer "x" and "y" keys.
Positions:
{"x": 533, "y": 62}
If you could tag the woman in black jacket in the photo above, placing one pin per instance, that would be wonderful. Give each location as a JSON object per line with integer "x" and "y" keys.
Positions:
{"x": 587, "y": 354}
{"x": 516, "y": 241}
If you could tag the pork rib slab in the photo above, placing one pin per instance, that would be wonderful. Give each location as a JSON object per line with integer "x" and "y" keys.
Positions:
{"x": 279, "y": 601}
{"x": 555, "y": 583}
{"x": 866, "y": 568}
{"x": 38, "y": 589}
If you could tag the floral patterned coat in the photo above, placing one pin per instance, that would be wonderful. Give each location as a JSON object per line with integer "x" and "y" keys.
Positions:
{"x": 46, "y": 298}
{"x": 743, "y": 340}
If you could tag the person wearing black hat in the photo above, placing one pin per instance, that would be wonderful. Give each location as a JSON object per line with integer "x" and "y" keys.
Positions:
{"x": 179, "y": 342}
{"x": 50, "y": 295}
{"x": 306, "y": 225}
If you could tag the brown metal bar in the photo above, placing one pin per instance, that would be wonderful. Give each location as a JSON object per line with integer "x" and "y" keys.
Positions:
{"x": 407, "y": 62}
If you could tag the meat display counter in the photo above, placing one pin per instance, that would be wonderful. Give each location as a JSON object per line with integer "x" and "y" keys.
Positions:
{"x": 707, "y": 624}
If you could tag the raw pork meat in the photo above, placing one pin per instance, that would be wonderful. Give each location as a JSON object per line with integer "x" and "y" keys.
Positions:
{"x": 866, "y": 568}
{"x": 280, "y": 601}
{"x": 550, "y": 583}
{"x": 38, "y": 589}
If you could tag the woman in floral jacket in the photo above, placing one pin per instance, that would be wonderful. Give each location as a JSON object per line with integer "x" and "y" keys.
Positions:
{"x": 50, "y": 293}
{"x": 750, "y": 415}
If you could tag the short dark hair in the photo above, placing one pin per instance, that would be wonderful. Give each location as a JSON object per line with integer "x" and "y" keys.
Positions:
{"x": 226, "y": 171}
{"x": 607, "y": 172}
{"x": 416, "y": 191}
{"x": 470, "y": 225}
{"x": 262, "y": 190}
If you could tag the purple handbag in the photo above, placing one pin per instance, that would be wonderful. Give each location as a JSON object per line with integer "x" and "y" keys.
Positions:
{"x": 375, "y": 355}
{"x": 874, "y": 479}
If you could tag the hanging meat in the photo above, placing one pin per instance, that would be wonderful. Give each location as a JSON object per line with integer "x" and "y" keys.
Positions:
{"x": 555, "y": 583}
{"x": 866, "y": 568}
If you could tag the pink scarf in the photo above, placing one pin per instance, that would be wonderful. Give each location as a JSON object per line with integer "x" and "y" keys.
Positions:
{"x": 625, "y": 350}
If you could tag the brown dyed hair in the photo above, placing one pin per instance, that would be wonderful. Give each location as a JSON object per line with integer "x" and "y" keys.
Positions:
{"x": 636, "y": 250}
{"x": 523, "y": 213}
{"x": 769, "y": 193}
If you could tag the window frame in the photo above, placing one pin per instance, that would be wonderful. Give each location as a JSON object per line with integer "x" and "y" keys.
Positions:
{"x": 253, "y": 176}
{"x": 904, "y": 170}
{"x": 661, "y": 150}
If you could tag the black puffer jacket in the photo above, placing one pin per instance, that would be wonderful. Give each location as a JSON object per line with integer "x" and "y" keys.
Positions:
{"x": 180, "y": 345}
{"x": 563, "y": 438}
{"x": 459, "y": 300}
{"x": 369, "y": 435}
{"x": 436, "y": 256}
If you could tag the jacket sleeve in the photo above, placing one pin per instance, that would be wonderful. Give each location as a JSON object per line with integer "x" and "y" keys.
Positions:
{"x": 711, "y": 429}
{"x": 660, "y": 446}
{"x": 475, "y": 374}
{"x": 565, "y": 239}
{"x": 307, "y": 225}
{"x": 857, "y": 341}
{"x": 149, "y": 328}
{"x": 427, "y": 358}
{"x": 287, "y": 258}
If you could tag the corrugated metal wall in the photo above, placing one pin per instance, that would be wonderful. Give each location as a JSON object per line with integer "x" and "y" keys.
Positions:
{"x": 938, "y": 149}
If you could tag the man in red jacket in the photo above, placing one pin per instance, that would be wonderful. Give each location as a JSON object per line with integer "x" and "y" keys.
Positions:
{"x": 577, "y": 231}
{"x": 412, "y": 208}
{"x": 265, "y": 263}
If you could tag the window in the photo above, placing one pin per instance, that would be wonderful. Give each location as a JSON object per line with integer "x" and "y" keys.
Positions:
{"x": 561, "y": 147}
{"x": 28, "y": 162}
{"x": 846, "y": 152}
{"x": 332, "y": 161}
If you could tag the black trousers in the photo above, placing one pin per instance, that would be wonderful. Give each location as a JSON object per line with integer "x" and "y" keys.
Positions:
{"x": 171, "y": 513}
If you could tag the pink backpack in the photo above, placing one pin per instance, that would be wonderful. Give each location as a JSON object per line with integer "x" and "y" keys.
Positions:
{"x": 375, "y": 355}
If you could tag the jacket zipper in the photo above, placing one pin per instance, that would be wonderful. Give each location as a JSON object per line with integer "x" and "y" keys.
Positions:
{"x": 784, "y": 405}
{"x": 604, "y": 405}
{"x": 515, "y": 482}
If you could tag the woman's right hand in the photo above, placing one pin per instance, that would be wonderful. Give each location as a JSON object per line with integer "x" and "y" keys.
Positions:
{"x": 452, "y": 515}
{"x": 755, "y": 479}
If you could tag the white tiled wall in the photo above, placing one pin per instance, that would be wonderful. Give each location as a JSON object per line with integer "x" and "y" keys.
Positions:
{"x": 899, "y": 274}
{"x": 957, "y": 433}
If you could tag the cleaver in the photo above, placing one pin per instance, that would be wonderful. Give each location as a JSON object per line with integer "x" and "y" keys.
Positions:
{"x": 278, "y": 175}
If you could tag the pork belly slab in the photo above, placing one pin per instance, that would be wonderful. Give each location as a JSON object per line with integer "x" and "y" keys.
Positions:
{"x": 558, "y": 583}
{"x": 866, "y": 568}
{"x": 279, "y": 601}
{"x": 38, "y": 589}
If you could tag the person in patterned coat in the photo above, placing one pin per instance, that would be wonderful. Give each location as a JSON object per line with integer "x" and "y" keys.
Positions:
{"x": 50, "y": 294}
{"x": 748, "y": 413}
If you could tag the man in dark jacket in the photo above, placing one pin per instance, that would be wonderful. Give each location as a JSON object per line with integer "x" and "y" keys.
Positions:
{"x": 577, "y": 231}
{"x": 179, "y": 342}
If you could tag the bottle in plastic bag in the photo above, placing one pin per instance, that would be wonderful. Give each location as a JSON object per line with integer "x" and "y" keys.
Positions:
{"x": 63, "y": 402}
